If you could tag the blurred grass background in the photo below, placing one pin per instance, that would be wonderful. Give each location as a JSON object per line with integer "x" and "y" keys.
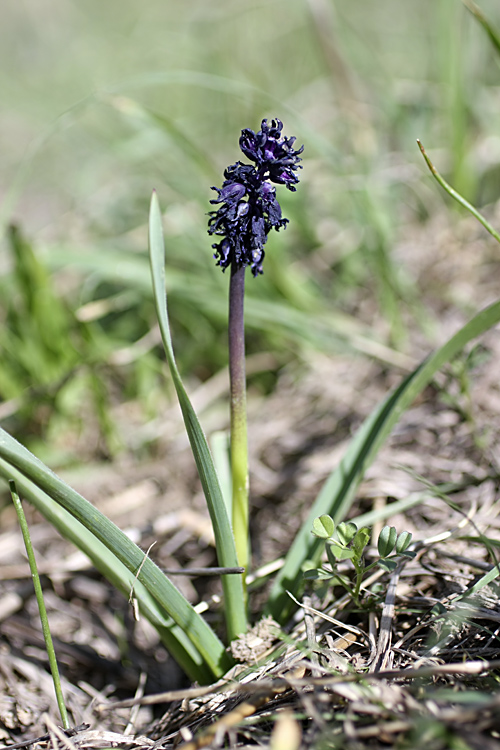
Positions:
{"x": 103, "y": 101}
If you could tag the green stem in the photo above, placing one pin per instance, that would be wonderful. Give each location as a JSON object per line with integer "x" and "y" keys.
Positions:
{"x": 453, "y": 193}
{"x": 41, "y": 604}
{"x": 454, "y": 79}
{"x": 239, "y": 445}
{"x": 360, "y": 571}
{"x": 477, "y": 12}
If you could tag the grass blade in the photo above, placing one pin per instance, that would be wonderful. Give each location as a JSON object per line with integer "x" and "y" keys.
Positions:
{"x": 478, "y": 13}
{"x": 456, "y": 196}
{"x": 49, "y": 645}
{"x": 485, "y": 580}
{"x": 202, "y": 637}
{"x": 174, "y": 639}
{"x": 224, "y": 539}
{"x": 337, "y": 494}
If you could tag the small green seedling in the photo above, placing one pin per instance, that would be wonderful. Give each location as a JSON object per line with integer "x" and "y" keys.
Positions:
{"x": 345, "y": 541}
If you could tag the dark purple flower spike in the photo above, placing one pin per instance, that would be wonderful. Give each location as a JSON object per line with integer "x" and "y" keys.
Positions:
{"x": 249, "y": 208}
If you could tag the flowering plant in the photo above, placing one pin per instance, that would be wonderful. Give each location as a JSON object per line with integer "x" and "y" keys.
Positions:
{"x": 247, "y": 211}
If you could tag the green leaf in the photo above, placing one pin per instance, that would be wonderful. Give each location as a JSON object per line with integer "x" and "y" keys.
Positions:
{"x": 346, "y": 532}
{"x": 403, "y": 542}
{"x": 454, "y": 194}
{"x": 488, "y": 27}
{"x": 388, "y": 565}
{"x": 197, "y": 637}
{"x": 438, "y": 610}
{"x": 323, "y": 527}
{"x": 485, "y": 580}
{"x": 234, "y": 599}
{"x": 452, "y": 696}
{"x": 337, "y": 494}
{"x": 361, "y": 540}
{"x": 409, "y": 554}
{"x": 339, "y": 552}
{"x": 330, "y": 556}
{"x": 316, "y": 574}
{"x": 49, "y": 644}
{"x": 387, "y": 540}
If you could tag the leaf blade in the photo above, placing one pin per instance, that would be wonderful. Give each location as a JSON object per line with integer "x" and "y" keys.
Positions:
{"x": 224, "y": 539}
{"x": 127, "y": 552}
{"x": 337, "y": 494}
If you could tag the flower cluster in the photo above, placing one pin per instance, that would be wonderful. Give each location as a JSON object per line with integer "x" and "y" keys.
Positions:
{"x": 249, "y": 207}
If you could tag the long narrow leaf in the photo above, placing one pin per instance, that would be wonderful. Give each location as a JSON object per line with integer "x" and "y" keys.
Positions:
{"x": 337, "y": 494}
{"x": 47, "y": 635}
{"x": 485, "y": 580}
{"x": 129, "y": 554}
{"x": 488, "y": 27}
{"x": 175, "y": 640}
{"x": 456, "y": 196}
{"x": 224, "y": 540}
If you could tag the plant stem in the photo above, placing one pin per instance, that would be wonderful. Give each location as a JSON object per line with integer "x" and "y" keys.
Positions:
{"x": 239, "y": 445}
{"x": 41, "y": 604}
{"x": 360, "y": 570}
{"x": 477, "y": 12}
{"x": 232, "y": 585}
{"x": 453, "y": 193}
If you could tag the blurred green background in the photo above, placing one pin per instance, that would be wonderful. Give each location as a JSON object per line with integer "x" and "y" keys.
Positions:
{"x": 103, "y": 101}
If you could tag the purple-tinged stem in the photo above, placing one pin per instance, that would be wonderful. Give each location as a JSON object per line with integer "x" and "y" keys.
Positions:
{"x": 239, "y": 444}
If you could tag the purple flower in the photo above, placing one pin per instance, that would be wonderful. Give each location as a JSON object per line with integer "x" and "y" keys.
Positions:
{"x": 274, "y": 156}
{"x": 249, "y": 208}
